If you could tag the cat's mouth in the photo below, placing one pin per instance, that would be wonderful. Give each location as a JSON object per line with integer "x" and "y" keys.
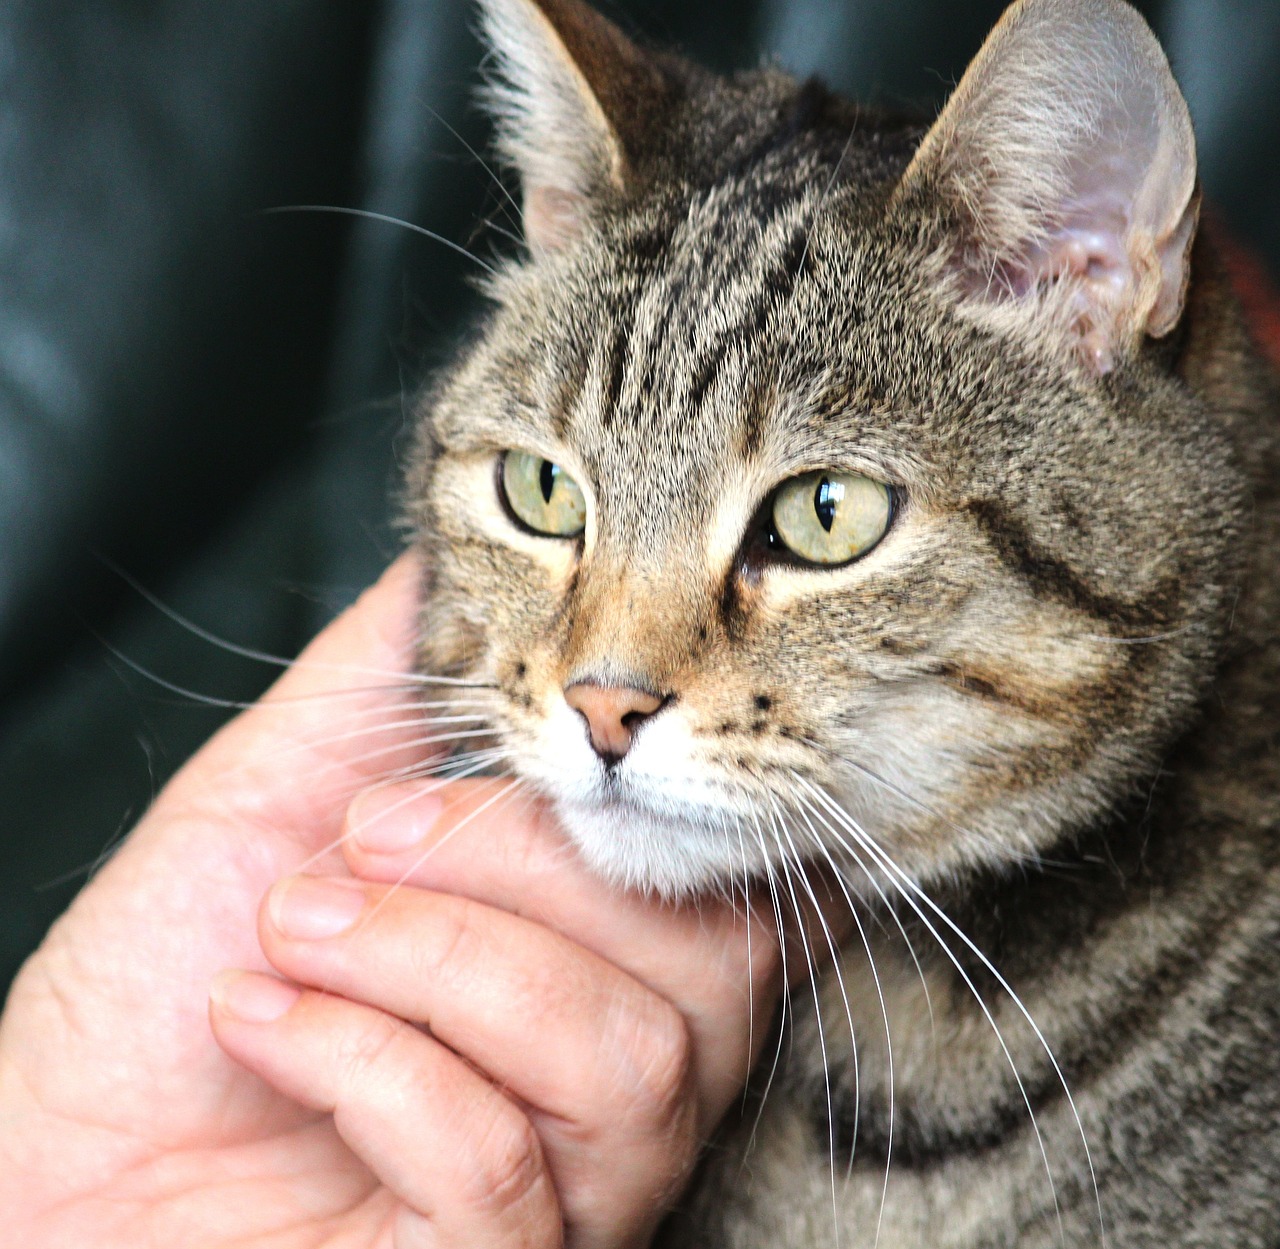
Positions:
{"x": 657, "y": 835}
{"x": 620, "y": 792}
{"x": 662, "y": 818}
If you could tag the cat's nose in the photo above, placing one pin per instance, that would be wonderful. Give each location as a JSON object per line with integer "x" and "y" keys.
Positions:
{"x": 612, "y": 713}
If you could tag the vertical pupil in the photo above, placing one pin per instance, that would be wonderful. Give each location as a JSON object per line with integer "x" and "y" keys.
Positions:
{"x": 547, "y": 479}
{"x": 825, "y": 500}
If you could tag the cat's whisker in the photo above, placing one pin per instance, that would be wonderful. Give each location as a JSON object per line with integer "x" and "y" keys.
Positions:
{"x": 889, "y": 908}
{"x": 403, "y": 686}
{"x": 1110, "y": 640}
{"x": 908, "y": 887}
{"x": 188, "y": 695}
{"x": 407, "y": 678}
{"x": 910, "y": 892}
{"x": 431, "y": 723}
{"x": 511, "y": 235}
{"x": 428, "y": 734}
{"x": 1007, "y": 852}
{"x": 410, "y": 698}
{"x": 386, "y": 219}
{"x": 746, "y": 900}
{"x": 419, "y": 679}
{"x": 484, "y": 165}
{"x": 805, "y": 809}
{"x": 438, "y": 763}
{"x": 509, "y": 787}
{"x": 791, "y": 866}
{"x": 435, "y": 778}
{"x": 809, "y": 805}
{"x": 727, "y": 889}
{"x": 401, "y": 743}
{"x": 450, "y": 768}
{"x": 770, "y": 877}
{"x": 90, "y": 869}
{"x": 427, "y": 746}
{"x": 422, "y": 742}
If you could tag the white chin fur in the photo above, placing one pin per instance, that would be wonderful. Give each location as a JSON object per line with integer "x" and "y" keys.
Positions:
{"x": 638, "y": 849}
{"x": 659, "y": 826}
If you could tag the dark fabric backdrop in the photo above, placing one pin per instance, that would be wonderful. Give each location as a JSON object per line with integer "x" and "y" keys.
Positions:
{"x": 208, "y": 401}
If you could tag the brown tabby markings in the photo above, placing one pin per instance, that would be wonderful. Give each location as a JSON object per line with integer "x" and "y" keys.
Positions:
{"x": 1046, "y": 704}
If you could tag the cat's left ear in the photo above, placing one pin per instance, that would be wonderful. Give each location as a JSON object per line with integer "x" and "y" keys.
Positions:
{"x": 573, "y": 98}
{"x": 1065, "y": 163}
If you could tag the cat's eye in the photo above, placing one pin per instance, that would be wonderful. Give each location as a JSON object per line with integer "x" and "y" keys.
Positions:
{"x": 542, "y": 496}
{"x": 830, "y": 518}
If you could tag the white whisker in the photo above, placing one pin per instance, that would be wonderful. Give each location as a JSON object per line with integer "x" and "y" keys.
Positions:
{"x": 746, "y": 899}
{"x": 443, "y": 774}
{"x": 805, "y": 809}
{"x": 368, "y": 215}
{"x": 909, "y": 892}
{"x": 772, "y": 884}
{"x": 508, "y": 788}
{"x": 786, "y": 863}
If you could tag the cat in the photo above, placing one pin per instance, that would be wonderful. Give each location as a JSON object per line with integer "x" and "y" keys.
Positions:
{"x": 830, "y": 487}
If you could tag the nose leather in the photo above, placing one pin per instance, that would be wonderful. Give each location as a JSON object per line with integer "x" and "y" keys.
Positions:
{"x": 612, "y": 713}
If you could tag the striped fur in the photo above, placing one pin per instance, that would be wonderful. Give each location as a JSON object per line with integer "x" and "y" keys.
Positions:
{"x": 1048, "y": 698}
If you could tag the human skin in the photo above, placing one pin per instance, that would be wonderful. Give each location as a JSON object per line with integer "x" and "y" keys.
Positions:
{"x": 497, "y": 1050}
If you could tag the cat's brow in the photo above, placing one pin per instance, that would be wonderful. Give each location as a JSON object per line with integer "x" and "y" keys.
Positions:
{"x": 513, "y": 426}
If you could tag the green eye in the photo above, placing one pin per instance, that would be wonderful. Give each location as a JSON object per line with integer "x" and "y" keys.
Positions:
{"x": 831, "y": 518}
{"x": 542, "y": 495}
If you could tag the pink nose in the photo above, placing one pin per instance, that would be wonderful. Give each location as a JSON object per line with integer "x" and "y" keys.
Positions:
{"x": 612, "y": 713}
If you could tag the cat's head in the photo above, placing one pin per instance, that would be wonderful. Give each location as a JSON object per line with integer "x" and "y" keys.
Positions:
{"x": 821, "y": 482}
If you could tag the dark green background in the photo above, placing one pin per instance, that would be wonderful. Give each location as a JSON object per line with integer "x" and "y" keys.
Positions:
{"x": 212, "y": 401}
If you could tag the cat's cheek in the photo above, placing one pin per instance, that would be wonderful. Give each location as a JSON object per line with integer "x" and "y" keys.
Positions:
{"x": 785, "y": 589}
{"x": 938, "y": 779}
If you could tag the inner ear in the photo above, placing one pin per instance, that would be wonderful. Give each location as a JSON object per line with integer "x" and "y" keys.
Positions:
{"x": 1066, "y": 163}
{"x": 553, "y": 217}
{"x": 575, "y": 101}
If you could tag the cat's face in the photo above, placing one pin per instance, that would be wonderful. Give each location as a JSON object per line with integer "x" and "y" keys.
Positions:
{"x": 1018, "y": 617}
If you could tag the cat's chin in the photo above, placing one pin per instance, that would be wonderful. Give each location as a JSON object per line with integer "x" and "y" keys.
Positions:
{"x": 673, "y": 855}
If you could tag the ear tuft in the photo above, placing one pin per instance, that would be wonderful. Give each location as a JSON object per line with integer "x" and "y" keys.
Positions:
{"x": 1067, "y": 160}
{"x": 570, "y": 94}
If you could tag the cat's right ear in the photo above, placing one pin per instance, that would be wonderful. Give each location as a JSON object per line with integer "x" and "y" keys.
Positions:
{"x": 1066, "y": 167}
{"x": 571, "y": 95}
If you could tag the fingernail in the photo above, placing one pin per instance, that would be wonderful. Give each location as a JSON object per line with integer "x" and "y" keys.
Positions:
{"x": 309, "y": 908}
{"x": 251, "y": 997}
{"x": 390, "y": 822}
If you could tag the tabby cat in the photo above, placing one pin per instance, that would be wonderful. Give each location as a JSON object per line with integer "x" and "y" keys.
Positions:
{"x": 829, "y": 488}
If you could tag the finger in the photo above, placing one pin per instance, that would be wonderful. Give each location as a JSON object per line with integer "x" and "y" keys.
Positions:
{"x": 463, "y": 1158}
{"x": 489, "y": 841}
{"x": 718, "y": 961}
{"x": 345, "y": 713}
{"x": 607, "y": 1062}
{"x": 428, "y": 836}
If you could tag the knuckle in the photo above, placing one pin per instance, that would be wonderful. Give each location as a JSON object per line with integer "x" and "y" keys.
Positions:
{"x": 365, "y": 1050}
{"x": 659, "y": 1078}
{"x": 761, "y": 951}
{"x": 507, "y": 1171}
{"x": 451, "y": 934}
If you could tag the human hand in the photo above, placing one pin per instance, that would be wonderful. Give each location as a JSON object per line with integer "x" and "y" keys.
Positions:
{"x": 123, "y": 1123}
{"x": 580, "y": 1044}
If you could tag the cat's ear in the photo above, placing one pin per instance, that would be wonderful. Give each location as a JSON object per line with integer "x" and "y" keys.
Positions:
{"x": 1066, "y": 161}
{"x": 571, "y": 94}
